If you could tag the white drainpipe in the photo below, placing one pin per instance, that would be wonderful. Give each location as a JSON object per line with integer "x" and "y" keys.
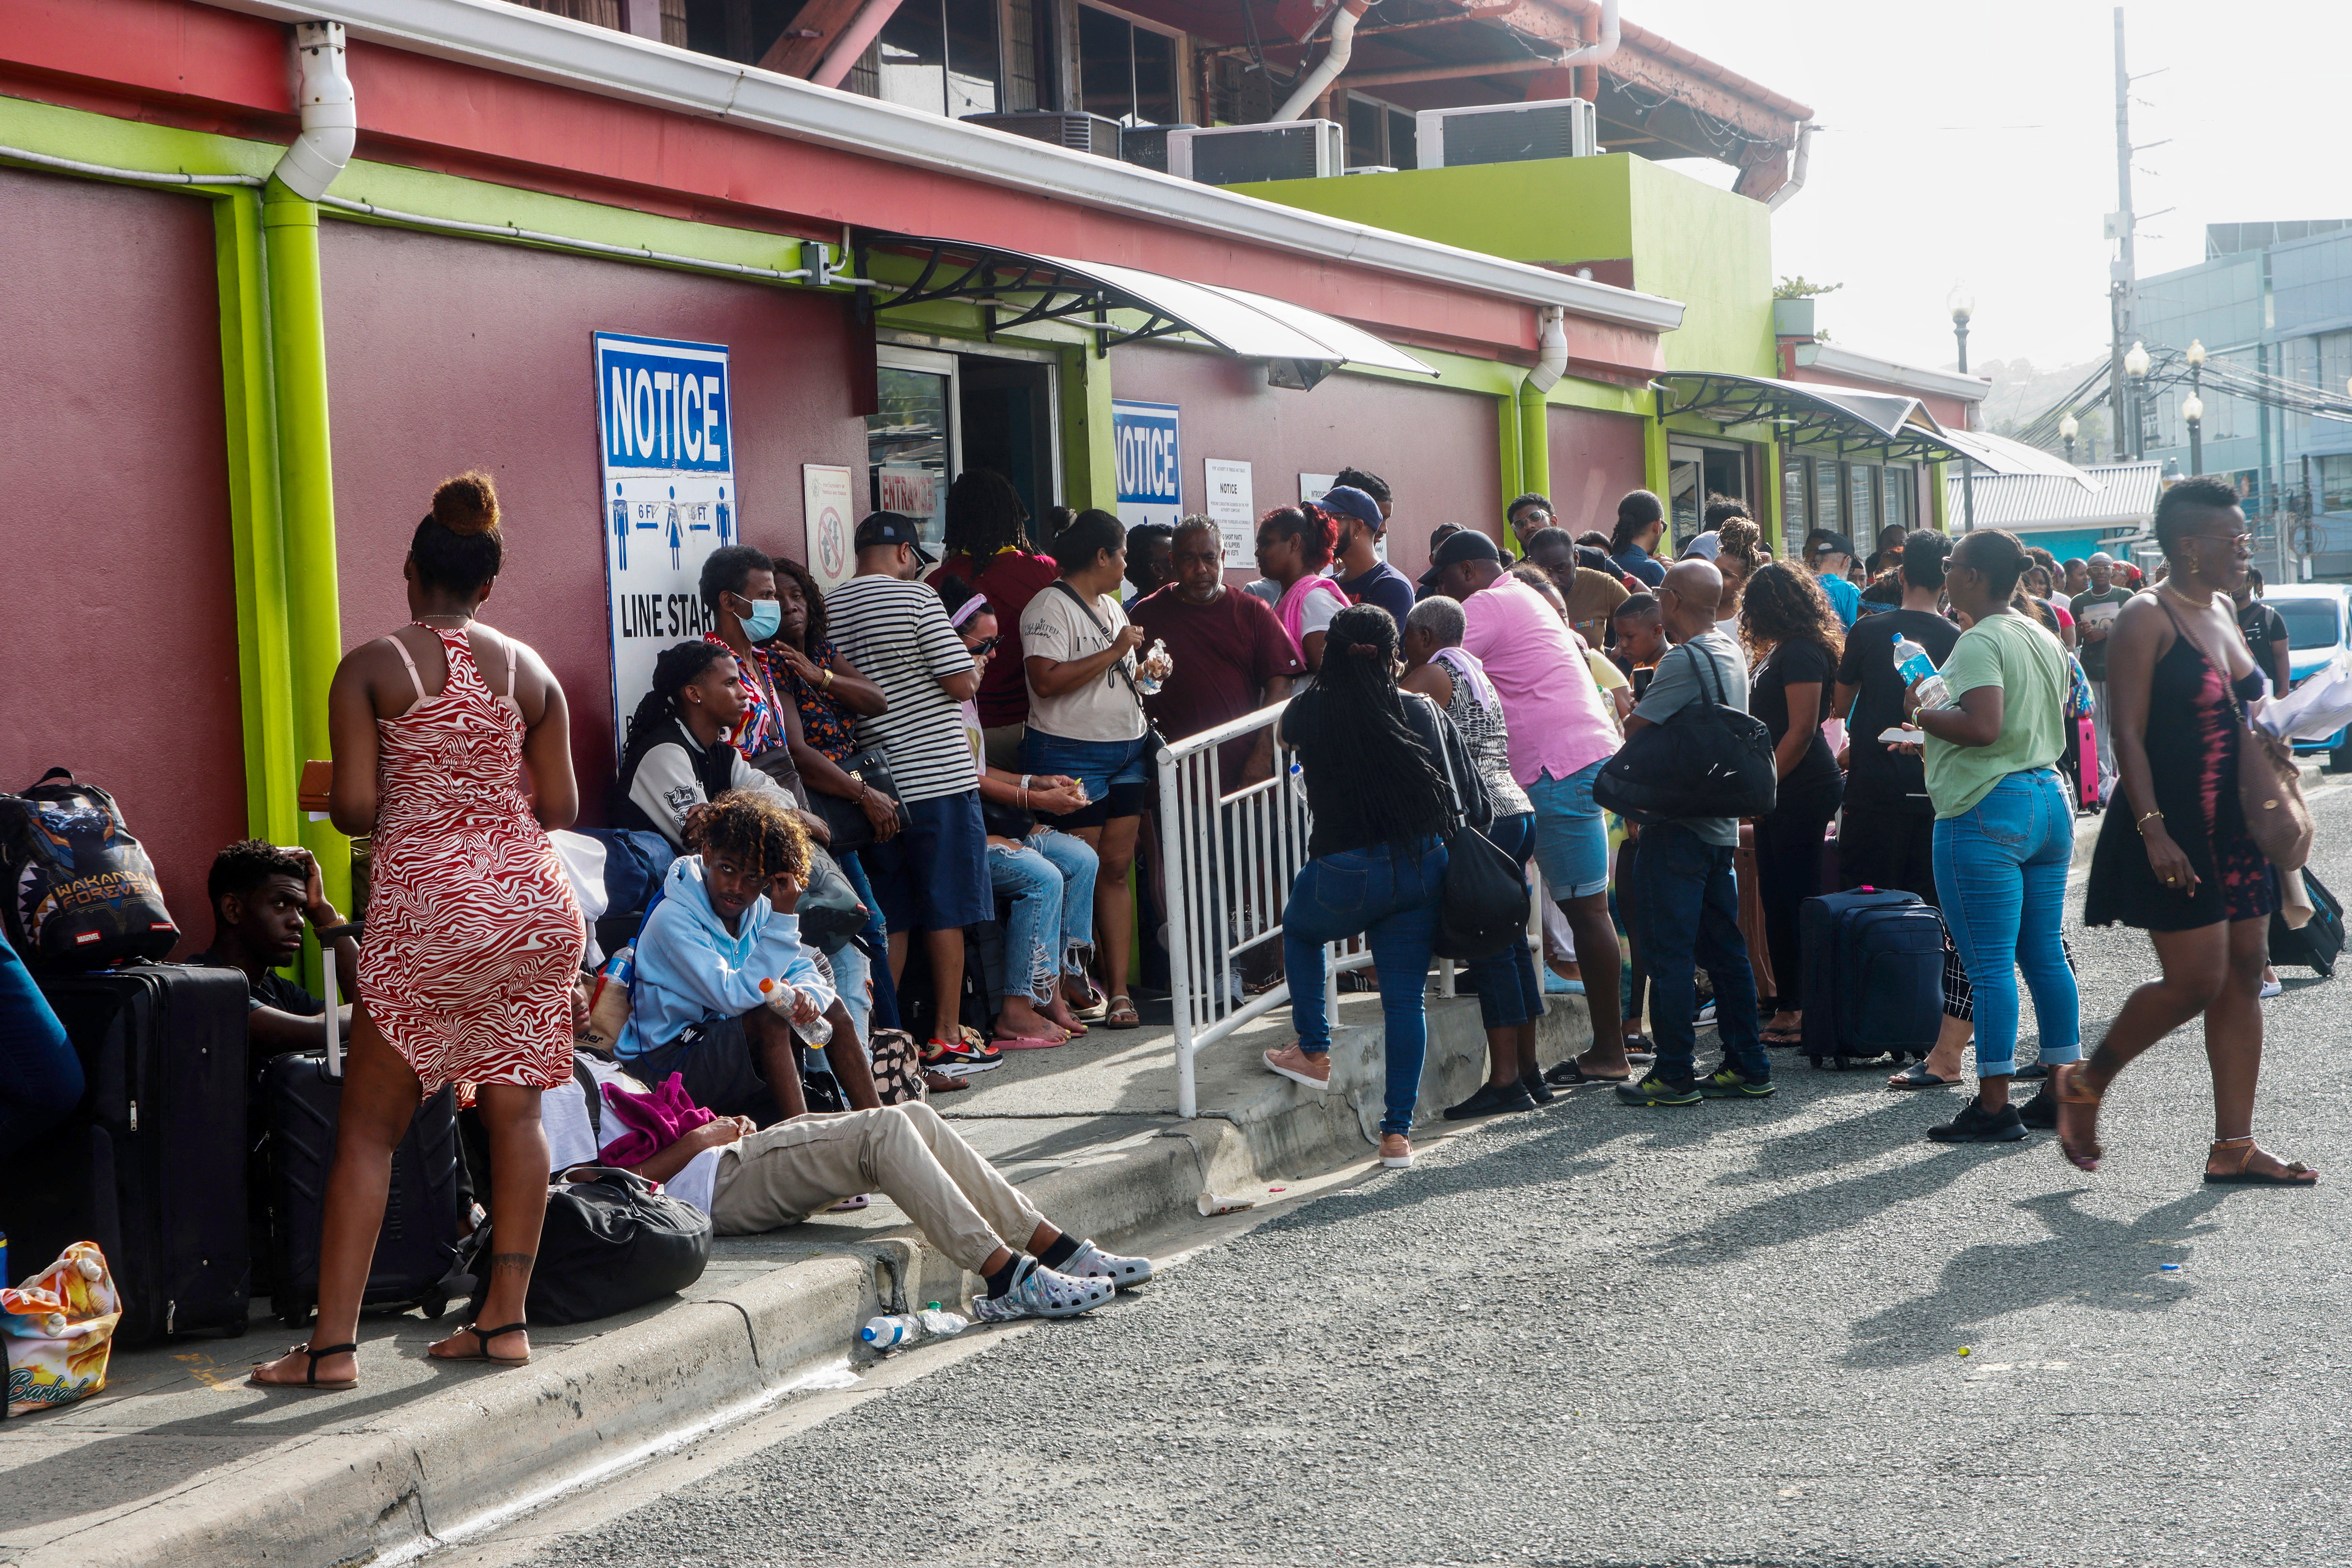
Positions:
{"x": 1551, "y": 350}
{"x": 1796, "y": 180}
{"x": 1334, "y": 60}
{"x": 1603, "y": 48}
{"x": 330, "y": 116}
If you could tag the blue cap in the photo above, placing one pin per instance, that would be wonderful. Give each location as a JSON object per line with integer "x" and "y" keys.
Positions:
{"x": 1355, "y": 503}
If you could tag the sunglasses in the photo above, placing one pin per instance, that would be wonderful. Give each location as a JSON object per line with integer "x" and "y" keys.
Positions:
{"x": 984, "y": 646}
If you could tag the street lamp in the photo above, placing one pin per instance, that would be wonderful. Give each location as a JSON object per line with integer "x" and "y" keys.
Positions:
{"x": 1963, "y": 304}
{"x": 2136, "y": 367}
{"x": 2067, "y": 430}
{"x": 2193, "y": 409}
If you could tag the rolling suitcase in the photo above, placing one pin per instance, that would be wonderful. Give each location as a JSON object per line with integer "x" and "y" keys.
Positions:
{"x": 1874, "y": 981}
{"x": 425, "y": 1222}
{"x": 2316, "y": 944}
{"x": 150, "y": 1166}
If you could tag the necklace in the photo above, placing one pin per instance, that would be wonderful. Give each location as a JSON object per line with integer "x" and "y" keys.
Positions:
{"x": 463, "y": 619}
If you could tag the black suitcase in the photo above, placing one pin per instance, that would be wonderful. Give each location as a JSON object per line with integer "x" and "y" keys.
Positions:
{"x": 150, "y": 1166}
{"x": 1874, "y": 976}
{"x": 2321, "y": 938}
{"x": 426, "y": 1217}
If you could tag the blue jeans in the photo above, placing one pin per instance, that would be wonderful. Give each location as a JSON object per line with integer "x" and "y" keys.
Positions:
{"x": 875, "y": 942}
{"x": 1508, "y": 992}
{"x": 40, "y": 1076}
{"x": 1688, "y": 909}
{"x": 2000, "y": 875}
{"x": 1368, "y": 892}
{"x": 1051, "y": 881}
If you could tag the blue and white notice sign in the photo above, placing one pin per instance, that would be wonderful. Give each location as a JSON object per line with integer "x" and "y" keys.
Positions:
{"x": 668, "y": 439}
{"x": 1143, "y": 435}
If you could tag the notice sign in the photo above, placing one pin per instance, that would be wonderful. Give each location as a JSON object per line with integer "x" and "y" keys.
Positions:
{"x": 1228, "y": 483}
{"x": 825, "y": 495}
{"x": 1150, "y": 464}
{"x": 670, "y": 496}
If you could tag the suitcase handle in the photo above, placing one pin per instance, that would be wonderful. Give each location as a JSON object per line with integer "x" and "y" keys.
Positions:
{"x": 328, "y": 937}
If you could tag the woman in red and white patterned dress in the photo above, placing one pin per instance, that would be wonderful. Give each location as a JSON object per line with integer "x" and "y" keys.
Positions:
{"x": 474, "y": 937}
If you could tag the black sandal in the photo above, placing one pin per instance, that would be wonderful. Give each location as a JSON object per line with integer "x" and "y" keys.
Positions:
{"x": 310, "y": 1379}
{"x": 482, "y": 1337}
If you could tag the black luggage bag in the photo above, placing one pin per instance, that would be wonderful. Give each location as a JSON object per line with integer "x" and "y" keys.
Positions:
{"x": 2315, "y": 946}
{"x": 150, "y": 1166}
{"x": 1874, "y": 976}
{"x": 426, "y": 1219}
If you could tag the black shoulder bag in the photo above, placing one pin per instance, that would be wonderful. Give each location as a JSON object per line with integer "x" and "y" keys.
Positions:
{"x": 1707, "y": 759}
{"x": 1484, "y": 903}
{"x": 1157, "y": 743}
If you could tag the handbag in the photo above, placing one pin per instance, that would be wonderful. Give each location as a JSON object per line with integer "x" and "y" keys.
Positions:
{"x": 829, "y": 908}
{"x": 1483, "y": 901}
{"x": 845, "y": 819}
{"x": 1155, "y": 744}
{"x": 1707, "y": 759}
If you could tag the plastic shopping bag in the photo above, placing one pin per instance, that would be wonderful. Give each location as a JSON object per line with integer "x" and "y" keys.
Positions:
{"x": 60, "y": 1328}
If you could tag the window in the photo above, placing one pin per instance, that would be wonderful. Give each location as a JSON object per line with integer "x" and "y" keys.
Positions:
{"x": 1794, "y": 488}
{"x": 1900, "y": 490}
{"x": 1125, "y": 73}
{"x": 941, "y": 56}
{"x": 1827, "y": 486}
{"x": 2335, "y": 475}
{"x": 1405, "y": 150}
{"x": 1862, "y": 509}
{"x": 910, "y": 441}
{"x": 2310, "y": 623}
{"x": 1366, "y": 124}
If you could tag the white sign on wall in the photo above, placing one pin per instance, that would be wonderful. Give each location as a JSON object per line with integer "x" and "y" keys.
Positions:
{"x": 669, "y": 497}
{"x": 828, "y": 499}
{"x": 1228, "y": 485}
{"x": 1314, "y": 487}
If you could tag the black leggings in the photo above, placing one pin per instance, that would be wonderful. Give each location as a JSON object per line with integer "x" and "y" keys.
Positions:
{"x": 1787, "y": 872}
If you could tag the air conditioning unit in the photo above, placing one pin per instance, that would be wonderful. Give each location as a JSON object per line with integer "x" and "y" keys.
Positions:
{"x": 1078, "y": 133}
{"x": 1146, "y": 146}
{"x": 1507, "y": 132}
{"x": 1236, "y": 154}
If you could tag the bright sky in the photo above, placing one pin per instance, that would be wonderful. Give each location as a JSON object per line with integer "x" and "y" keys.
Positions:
{"x": 1976, "y": 142}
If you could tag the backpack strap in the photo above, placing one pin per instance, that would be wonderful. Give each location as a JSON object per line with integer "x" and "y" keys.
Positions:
{"x": 588, "y": 1086}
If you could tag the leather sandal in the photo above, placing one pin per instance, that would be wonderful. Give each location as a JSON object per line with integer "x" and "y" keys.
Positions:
{"x": 481, "y": 1351}
{"x": 2295, "y": 1174}
{"x": 2064, "y": 1082}
{"x": 310, "y": 1379}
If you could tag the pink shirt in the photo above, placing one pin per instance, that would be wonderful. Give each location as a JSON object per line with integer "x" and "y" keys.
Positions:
{"x": 1557, "y": 721}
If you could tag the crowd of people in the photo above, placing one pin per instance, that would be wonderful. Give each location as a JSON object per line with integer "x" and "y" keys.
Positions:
{"x": 958, "y": 748}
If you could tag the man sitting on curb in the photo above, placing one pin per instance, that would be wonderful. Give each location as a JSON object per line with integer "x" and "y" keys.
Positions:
{"x": 260, "y": 895}
{"x": 747, "y": 1180}
{"x": 725, "y": 924}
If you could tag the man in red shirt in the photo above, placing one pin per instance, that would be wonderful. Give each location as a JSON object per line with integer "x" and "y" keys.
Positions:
{"x": 1230, "y": 654}
{"x": 988, "y": 546}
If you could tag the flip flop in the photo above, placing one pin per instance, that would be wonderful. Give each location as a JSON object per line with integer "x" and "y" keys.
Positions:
{"x": 1571, "y": 1072}
{"x": 938, "y": 1082}
{"x": 1783, "y": 1037}
{"x": 1026, "y": 1043}
{"x": 852, "y": 1204}
{"x": 1916, "y": 1076}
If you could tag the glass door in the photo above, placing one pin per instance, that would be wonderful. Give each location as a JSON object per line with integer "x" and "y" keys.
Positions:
{"x": 912, "y": 444}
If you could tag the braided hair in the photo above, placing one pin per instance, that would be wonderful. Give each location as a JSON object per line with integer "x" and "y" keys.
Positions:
{"x": 1353, "y": 720}
{"x": 984, "y": 515}
{"x": 679, "y": 666}
{"x": 754, "y": 830}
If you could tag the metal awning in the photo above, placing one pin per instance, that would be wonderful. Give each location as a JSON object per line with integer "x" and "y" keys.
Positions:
{"x": 1016, "y": 288}
{"x": 1813, "y": 413}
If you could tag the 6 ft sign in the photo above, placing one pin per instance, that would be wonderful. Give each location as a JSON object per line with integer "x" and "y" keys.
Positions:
{"x": 664, "y": 416}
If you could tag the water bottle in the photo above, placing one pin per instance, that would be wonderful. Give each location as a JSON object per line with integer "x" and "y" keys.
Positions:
{"x": 889, "y": 1332}
{"x": 942, "y": 1324}
{"x": 1146, "y": 681}
{"x": 781, "y": 1000}
{"x": 1914, "y": 664}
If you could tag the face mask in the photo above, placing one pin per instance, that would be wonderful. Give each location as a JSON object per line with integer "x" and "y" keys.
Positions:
{"x": 766, "y": 616}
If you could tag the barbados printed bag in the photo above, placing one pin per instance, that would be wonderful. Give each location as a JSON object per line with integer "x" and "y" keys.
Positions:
{"x": 56, "y": 1333}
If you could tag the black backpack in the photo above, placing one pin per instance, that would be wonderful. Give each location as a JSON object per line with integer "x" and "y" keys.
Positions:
{"x": 1706, "y": 759}
{"x": 81, "y": 892}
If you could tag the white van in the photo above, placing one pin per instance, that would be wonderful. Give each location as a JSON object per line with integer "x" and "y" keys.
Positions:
{"x": 2318, "y": 632}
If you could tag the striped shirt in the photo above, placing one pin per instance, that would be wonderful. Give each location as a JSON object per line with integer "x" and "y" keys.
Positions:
{"x": 897, "y": 635}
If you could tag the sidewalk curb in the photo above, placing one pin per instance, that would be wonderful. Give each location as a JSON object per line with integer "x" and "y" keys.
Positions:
{"x": 500, "y": 1441}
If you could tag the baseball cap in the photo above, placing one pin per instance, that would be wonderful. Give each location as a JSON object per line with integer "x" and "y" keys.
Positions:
{"x": 1466, "y": 545}
{"x": 1355, "y": 503}
{"x": 881, "y": 528}
{"x": 1836, "y": 543}
{"x": 1708, "y": 544}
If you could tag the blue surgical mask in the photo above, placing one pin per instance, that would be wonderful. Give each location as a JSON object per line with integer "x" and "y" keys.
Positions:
{"x": 766, "y": 616}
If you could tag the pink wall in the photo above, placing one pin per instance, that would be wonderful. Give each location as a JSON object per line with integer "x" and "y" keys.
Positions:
{"x": 1436, "y": 447}
{"x": 1596, "y": 458}
{"x": 444, "y": 354}
{"x": 120, "y": 659}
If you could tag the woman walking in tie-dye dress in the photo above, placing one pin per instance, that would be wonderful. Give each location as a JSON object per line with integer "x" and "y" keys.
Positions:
{"x": 473, "y": 938}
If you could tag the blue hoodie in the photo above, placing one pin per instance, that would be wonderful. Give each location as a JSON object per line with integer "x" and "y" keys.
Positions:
{"x": 692, "y": 969}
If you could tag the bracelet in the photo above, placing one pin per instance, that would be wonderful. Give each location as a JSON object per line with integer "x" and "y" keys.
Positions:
{"x": 1026, "y": 779}
{"x": 2142, "y": 823}
{"x": 1024, "y": 798}
{"x": 828, "y": 681}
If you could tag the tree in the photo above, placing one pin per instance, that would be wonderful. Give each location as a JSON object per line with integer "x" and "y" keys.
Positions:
{"x": 1801, "y": 287}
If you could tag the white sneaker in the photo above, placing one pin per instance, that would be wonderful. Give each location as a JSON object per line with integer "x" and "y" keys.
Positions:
{"x": 1091, "y": 1262}
{"x": 2272, "y": 987}
{"x": 1038, "y": 1291}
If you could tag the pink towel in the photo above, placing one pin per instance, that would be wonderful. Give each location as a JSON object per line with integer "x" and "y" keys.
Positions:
{"x": 654, "y": 1121}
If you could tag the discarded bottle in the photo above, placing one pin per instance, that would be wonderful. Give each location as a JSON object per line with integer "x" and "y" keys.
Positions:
{"x": 889, "y": 1332}
{"x": 781, "y": 998}
{"x": 1915, "y": 665}
{"x": 942, "y": 1324}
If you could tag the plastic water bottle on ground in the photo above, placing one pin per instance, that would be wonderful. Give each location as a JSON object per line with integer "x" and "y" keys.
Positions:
{"x": 782, "y": 999}
{"x": 1915, "y": 665}
{"x": 942, "y": 1324}
{"x": 889, "y": 1332}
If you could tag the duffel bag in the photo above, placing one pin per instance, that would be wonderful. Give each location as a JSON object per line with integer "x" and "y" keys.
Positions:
{"x": 612, "y": 1240}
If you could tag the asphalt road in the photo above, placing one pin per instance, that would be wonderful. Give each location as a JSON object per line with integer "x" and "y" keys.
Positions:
{"x": 1597, "y": 1335}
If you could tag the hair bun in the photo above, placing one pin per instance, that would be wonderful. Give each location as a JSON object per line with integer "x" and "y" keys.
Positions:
{"x": 467, "y": 505}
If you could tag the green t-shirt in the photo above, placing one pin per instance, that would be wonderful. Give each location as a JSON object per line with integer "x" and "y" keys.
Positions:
{"x": 2029, "y": 667}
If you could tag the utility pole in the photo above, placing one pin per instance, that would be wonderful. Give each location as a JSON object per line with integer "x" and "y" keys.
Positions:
{"x": 2120, "y": 275}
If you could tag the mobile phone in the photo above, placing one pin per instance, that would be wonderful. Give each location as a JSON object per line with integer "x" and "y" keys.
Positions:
{"x": 1642, "y": 681}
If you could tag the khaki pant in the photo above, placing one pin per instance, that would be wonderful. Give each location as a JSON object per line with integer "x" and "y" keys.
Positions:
{"x": 781, "y": 1175}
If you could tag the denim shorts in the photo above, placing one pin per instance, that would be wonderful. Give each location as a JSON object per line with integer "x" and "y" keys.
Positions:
{"x": 1116, "y": 773}
{"x": 1572, "y": 834}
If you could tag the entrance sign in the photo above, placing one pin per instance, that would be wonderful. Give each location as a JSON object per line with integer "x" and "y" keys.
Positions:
{"x": 825, "y": 495}
{"x": 1230, "y": 509}
{"x": 668, "y": 441}
{"x": 1150, "y": 462}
